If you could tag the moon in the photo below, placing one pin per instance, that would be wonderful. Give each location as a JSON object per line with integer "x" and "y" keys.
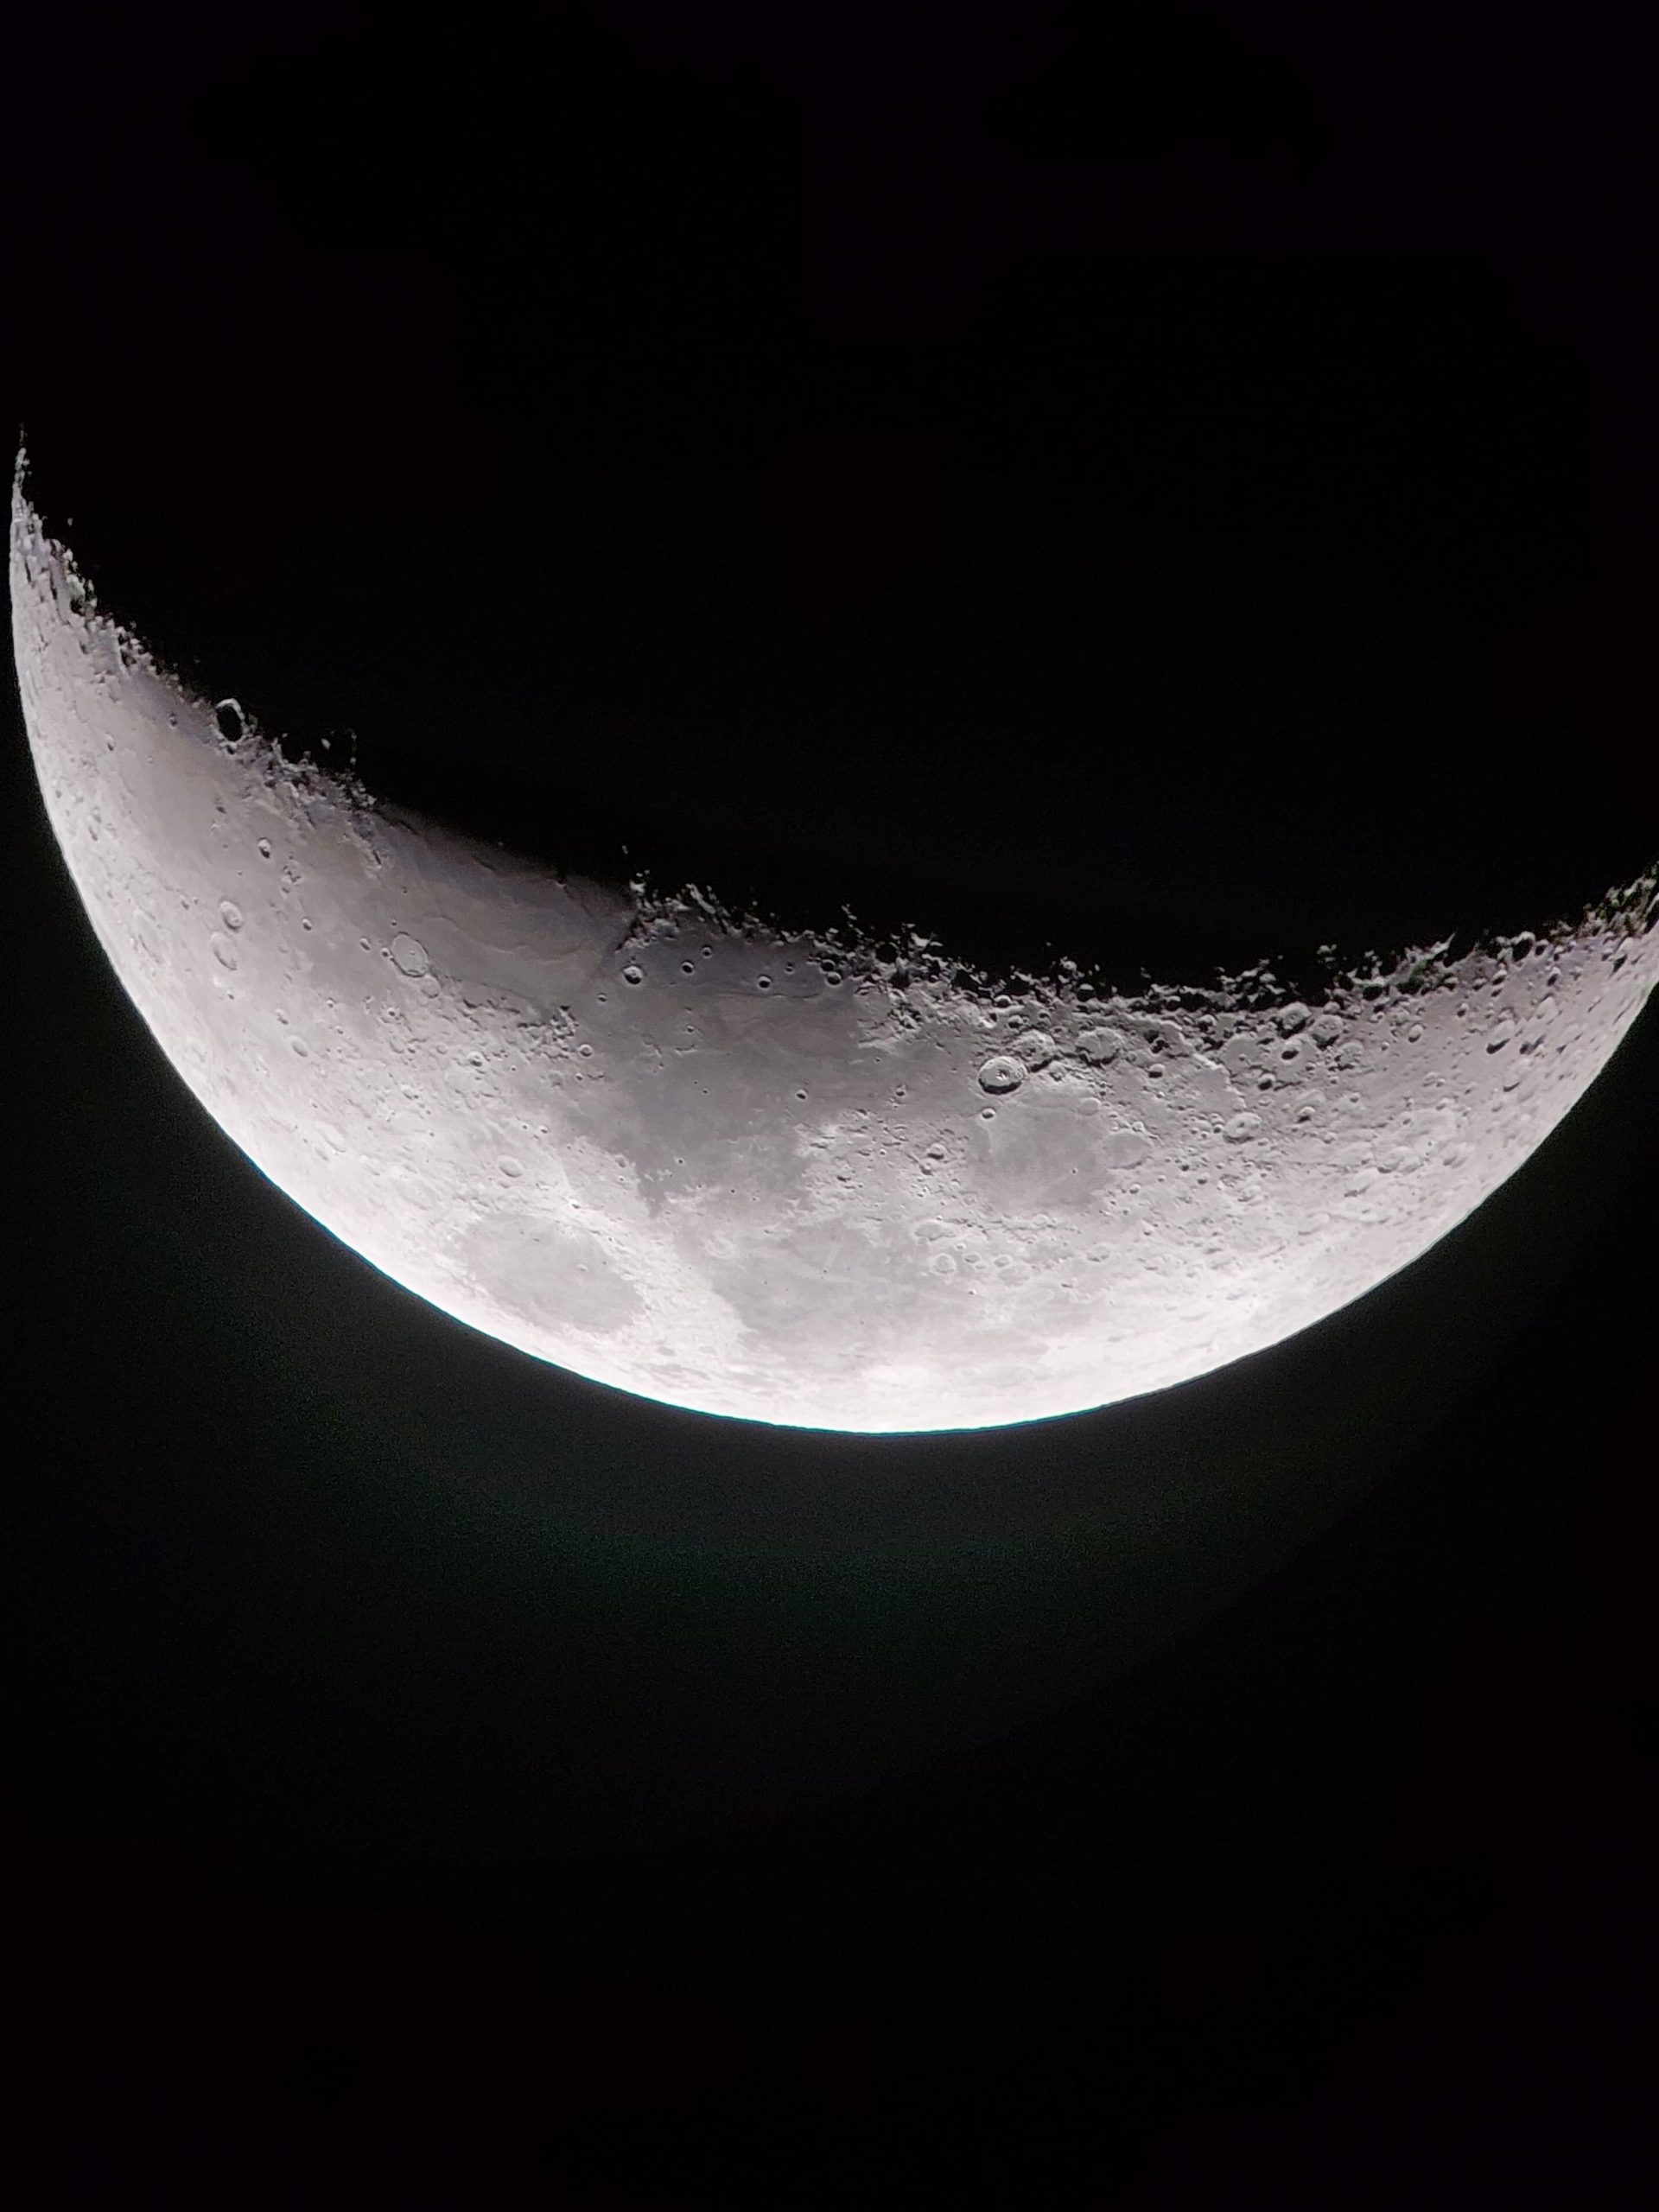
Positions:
{"x": 789, "y": 1176}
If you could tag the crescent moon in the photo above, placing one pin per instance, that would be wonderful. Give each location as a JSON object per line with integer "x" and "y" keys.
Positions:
{"x": 781, "y": 1175}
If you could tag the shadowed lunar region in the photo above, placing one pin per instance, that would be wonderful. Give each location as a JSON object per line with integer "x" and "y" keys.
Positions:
{"x": 789, "y": 1176}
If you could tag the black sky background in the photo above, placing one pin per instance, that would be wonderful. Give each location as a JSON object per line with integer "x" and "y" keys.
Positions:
{"x": 1166, "y": 487}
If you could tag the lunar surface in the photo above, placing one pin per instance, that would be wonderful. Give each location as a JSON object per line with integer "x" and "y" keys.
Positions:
{"x": 786, "y": 1176}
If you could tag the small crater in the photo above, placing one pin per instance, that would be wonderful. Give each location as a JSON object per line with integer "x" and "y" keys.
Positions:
{"x": 1124, "y": 1147}
{"x": 230, "y": 914}
{"x": 409, "y": 955}
{"x": 223, "y": 951}
{"x": 1100, "y": 1048}
{"x": 1241, "y": 1128}
{"x": 1002, "y": 1073}
{"x": 633, "y": 976}
{"x": 228, "y": 715}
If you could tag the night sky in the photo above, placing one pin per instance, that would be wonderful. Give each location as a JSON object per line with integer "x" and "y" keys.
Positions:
{"x": 1167, "y": 486}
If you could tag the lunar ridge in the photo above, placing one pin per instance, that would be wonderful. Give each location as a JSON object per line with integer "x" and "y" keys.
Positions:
{"x": 787, "y": 1175}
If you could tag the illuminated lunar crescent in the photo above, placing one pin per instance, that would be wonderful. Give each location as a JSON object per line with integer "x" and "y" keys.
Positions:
{"x": 781, "y": 1176}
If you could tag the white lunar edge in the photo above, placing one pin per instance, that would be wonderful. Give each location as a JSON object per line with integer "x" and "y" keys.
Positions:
{"x": 780, "y": 1177}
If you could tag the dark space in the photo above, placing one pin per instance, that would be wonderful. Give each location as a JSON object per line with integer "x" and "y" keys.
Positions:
{"x": 1167, "y": 487}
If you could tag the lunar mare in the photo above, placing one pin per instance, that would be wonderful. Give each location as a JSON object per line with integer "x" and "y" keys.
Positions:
{"x": 779, "y": 1176}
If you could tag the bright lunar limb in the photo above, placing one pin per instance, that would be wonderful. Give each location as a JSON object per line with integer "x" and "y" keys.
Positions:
{"x": 786, "y": 1176}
